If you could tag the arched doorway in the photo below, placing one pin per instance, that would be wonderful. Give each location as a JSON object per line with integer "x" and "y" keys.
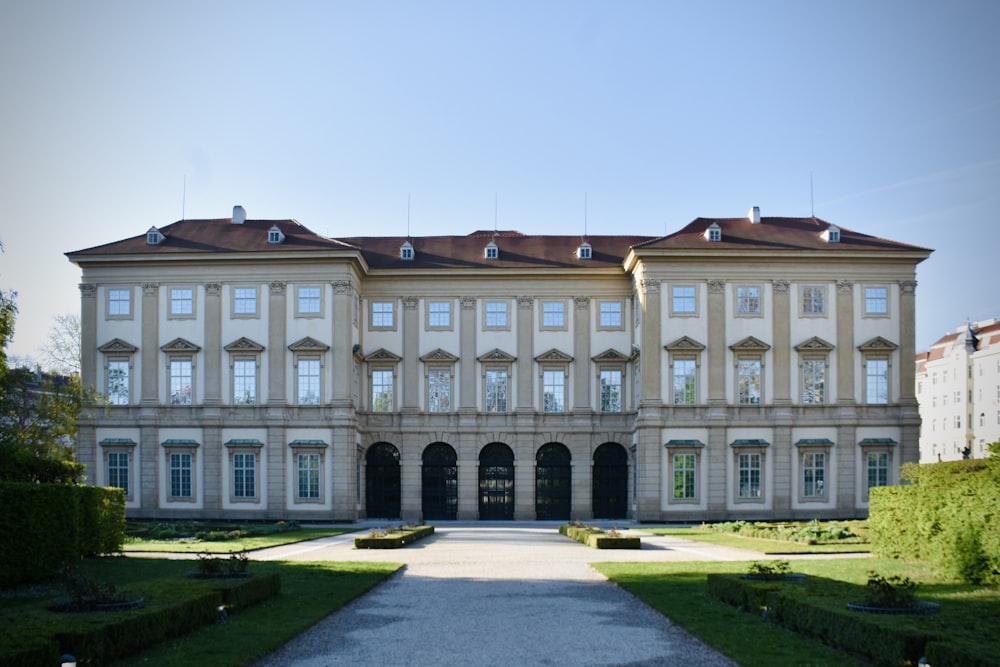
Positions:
{"x": 439, "y": 476}
{"x": 553, "y": 482}
{"x": 610, "y": 488}
{"x": 382, "y": 487}
{"x": 496, "y": 482}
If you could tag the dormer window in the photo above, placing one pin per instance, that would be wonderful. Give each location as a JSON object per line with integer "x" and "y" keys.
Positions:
{"x": 583, "y": 252}
{"x": 274, "y": 235}
{"x": 154, "y": 237}
{"x": 406, "y": 252}
{"x": 714, "y": 232}
{"x": 492, "y": 251}
{"x": 831, "y": 234}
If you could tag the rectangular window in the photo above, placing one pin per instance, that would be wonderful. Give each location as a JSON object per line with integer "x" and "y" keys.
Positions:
{"x": 813, "y": 300}
{"x": 877, "y": 464}
{"x": 684, "y": 476}
{"x": 439, "y": 390}
{"x": 382, "y": 385}
{"x": 554, "y": 390}
{"x": 748, "y": 300}
{"x": 610, "y": 314}
{"x": 553, "y": 315}
{"x": 496, "y": 390}
{"x": 245, "y": 381}
{"x": 180, "y": 475}
{"x": 119, "y": 386}
{"x": 684, "y": 385}
{"x": 611, "y": 390}
{"x": 382, "y": 315}
{"x": 813, "y": 381}
{"x": 683, "y": 300}
{"x": 308, "y": 301}
{"x": 244, "y": 300}
{"x": 244, "y": 475}
{"x": 813, "y": 475}
{"x": 496, "y": 314}
{"x": 439, "y": 314}
{"x": 119, "y": 303}
{"x": 876, "y": 301}
{"x": 118, "y": 470}
{"x": 181, "y": 301}
{"x": 877, "y": 381}
{"x": 749, "y": 475}
{"x": 180, "y": 381}
{"x": 748, "y": 381}
{"x": 308, "y": 474}
{"x": 308, "y": 382}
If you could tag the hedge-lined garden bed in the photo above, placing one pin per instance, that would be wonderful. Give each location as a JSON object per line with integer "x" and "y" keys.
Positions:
{"x": 597, "y": 538}
{"x": 392, "y": 537}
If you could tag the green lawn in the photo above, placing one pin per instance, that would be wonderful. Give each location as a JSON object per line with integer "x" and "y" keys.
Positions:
{"x": 756, "y": 544}
{"x": 229, "y": 546}
{"x": 678, "y": 590}
{"x": 309, "y": 592}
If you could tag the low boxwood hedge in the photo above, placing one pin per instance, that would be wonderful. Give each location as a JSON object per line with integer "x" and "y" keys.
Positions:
{"x": 600, "y": 539}
{"x": 393, "y": 538}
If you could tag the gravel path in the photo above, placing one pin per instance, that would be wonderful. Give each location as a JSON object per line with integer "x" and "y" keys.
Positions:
{"x": 497, "y": 594}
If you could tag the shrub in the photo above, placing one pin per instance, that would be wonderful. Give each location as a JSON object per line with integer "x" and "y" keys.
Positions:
{"x": 892, "y": 592}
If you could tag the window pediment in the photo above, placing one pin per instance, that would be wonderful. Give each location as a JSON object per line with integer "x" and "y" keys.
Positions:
{"x": 750, "y": 344}
{"x": 180, "y": 345}
{"x": 117, "y": 345}
{"x": 439, "y": 356}
{"x": 244, "y": 344}
{"x": 554, "y": 355}
{"x": 497, "y": 355}
{"x": 684, "y": 344}
{"x": 610, "y": 355}
{"x": 308, "y": 344}
{"x": 878, "y": 344}
{"x": 383, "y": 354}
{"x": 814, "y": 344}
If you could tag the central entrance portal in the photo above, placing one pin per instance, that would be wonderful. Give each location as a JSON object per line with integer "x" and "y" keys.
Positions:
{"x": 496, "y": 482}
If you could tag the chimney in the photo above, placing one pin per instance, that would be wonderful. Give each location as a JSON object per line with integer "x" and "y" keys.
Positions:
{"x": 754, "y": 215}
{"x": 239, "y": 215}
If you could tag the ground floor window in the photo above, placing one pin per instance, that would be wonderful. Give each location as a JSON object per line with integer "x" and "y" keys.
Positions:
{"x": 180, "y": 475}
{"x": 684, "y": 474}
{"x": 118, "y": 471}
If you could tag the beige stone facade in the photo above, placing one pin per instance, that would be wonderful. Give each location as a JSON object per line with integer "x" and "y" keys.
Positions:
{"x": 739, "y": 368}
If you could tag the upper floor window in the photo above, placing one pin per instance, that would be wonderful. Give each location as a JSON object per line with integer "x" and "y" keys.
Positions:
{"x": 611, "y": 390}
{"x": 154, "y": 237}
{"x": 382, "y": 315}
{"x": 749, "y": 381}
{"x": 439, "y": 314}
{"x": 495, "y": 387}
{"x": 496, "y": 315}
{"x": 610, "y": 315}
{"x": 439, "y": 390}
{"x": 181, "y": 302}
{"x": 244, "y": 381}
{"x": 876, "y": 380}
{"x": 684, "y": 376}
{"x": 876, "y": 301}
{"x": 244, "y": 301}
{"x": 383, "y": 383}
{"x": 181, "y": 381}
{"x": 308, "y": 301}
{"x": 274, "y": 235}
{"x": 119, "y": 381}
{"x": 682, "y": 300}
{"x": 554, "y": 390}
{"x": 119, "y": 303}
{"x": 748, "y": 300}
{"x": 308, "y": 380}
{"x": 813, "y": 300}
{"x": 553, "y": 314}
{"x": 713, "y": 233}
{"x": 583, "y": 252}
{"x": 814, "y": 380}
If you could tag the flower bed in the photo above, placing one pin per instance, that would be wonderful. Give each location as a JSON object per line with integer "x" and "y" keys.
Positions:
{"x": 598, "y": 538}
{"x": 392, "y": 537}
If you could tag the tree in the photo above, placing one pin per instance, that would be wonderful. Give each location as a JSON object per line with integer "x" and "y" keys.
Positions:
{"x": 61, "y": 353}
{"x": 38, "y": 415}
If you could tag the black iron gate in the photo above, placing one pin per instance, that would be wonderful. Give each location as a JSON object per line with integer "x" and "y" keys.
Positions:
{"x": 553, "y": 480}
{"x": 496, "y": 482}
{"x": 610, "y": 488}
{"x": 439, "y": 477}
{"x": 382, "y": 487}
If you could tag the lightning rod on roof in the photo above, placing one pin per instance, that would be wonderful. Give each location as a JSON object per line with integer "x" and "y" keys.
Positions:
{"x": 585, "y": 213}
{"x": 496, "y": 211}
{"x": 184, "y": 190}
{"x": 407, "y": 215}
{"x": 812, "y": 209}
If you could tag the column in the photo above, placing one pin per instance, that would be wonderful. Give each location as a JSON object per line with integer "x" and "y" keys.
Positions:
{"x": 86, "y": 446}
{"x": 910, "y": 415}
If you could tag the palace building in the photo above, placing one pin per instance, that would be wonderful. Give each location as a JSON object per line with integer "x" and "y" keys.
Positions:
{"x": 740, "y": 368}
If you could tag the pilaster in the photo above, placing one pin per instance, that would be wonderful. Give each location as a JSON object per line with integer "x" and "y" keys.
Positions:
{"x": 582, "y": 399}
{"x": 467, "y": 355}
{"x": 525, "y": 353}
{"x": 342, "y": 342}
{"x": 277, "y": 314}
{"x": 213, "y": 345}
{"x": 411, "y": 353}
{"x": 716, "y": 345}
{"x": 845, "y": 343}
{"x": 781, "y": 346}
{"x": 150, "y": 346}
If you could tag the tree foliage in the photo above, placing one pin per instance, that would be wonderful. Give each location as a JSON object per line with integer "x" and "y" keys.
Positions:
{"x": 61, "y": 352}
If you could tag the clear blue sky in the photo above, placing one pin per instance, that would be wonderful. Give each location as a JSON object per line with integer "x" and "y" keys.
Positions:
{"x": 334, "y": 113}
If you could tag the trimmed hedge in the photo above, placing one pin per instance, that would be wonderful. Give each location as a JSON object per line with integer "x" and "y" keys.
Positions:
{"x": 599, "y": 539}
{"x": 109, "y": 636}
{"x": 947, "y": 517}
{"x": 46, "y": 525}
{"x": 394, "y": 539}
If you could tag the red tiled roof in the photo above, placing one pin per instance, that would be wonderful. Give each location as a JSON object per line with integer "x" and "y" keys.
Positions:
{"x": 772, "y": 234}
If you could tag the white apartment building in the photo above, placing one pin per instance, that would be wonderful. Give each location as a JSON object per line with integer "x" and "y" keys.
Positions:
{"x": 958, "y": 388}
{"x": 740, "y": 368}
